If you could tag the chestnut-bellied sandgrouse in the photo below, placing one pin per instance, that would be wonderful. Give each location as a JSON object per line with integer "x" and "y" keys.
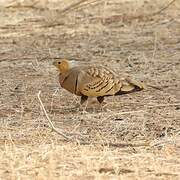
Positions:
{"x": 94, "y": 81}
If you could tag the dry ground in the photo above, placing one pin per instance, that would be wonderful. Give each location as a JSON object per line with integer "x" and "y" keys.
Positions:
{"x": 136, "y": 136}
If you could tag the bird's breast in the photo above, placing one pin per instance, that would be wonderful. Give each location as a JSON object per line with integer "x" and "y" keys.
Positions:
{"x": 69, "y": 82}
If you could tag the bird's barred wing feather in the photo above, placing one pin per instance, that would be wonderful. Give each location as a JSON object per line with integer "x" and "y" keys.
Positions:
{"x": 101, "y": 82}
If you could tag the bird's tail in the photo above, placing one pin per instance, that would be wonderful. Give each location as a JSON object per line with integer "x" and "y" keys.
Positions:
{"x": 130, "y": 85}
{"x": 155, "y": 87}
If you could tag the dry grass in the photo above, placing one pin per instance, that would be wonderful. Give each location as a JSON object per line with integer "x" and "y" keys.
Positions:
{"x": 136, "y": 136}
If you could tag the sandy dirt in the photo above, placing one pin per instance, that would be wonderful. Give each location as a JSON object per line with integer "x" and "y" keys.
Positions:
{"x": 135, "y": 136}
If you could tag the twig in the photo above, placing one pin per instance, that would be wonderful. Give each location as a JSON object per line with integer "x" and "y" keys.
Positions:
{"x": 162, "y": 105}
{"x": 78, "y": 5}
{"x": 85, "y": 4}
{"x": 73, "y": 5}
{"x": 163, "y": 142}
{"x": 117, "y": 145}
{"x": 128, "y": 112}
{"x": 50, "y": 122}
{"x": 15, "y": 59}
{"x": 158, "y": 12}
{"x": 19, "y": 5}
{"x": 152, "y": 14}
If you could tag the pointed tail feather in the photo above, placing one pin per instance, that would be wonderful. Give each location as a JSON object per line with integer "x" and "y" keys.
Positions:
{"x": 130, "y": 86}
{"x": 155, "y": 87}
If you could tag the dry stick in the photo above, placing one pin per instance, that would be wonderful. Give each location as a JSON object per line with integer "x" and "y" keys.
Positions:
{"x": 118, "y": 145}
{"x": 18, "y": 5}
{"x": 85, "y": 4}
{"x": 155, "y": 13}
{"x": 160, "y": 143}
{"x": 73, "y": 5}
{"x": 161, "y": 10}
{"x": 15, "y": 59}
{"x": 158, "y": 12}
{"x": 49, "y": 120}
{"x": 78, "y": 5}
{"x": 127, "y": 112}
{"x": 161, "y": 105}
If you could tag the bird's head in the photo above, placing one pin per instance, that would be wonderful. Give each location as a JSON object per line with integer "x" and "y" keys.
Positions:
{"x": 63, "y": 65}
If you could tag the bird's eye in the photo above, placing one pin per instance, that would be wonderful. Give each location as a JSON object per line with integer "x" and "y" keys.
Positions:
{"x": 59, "y": 62}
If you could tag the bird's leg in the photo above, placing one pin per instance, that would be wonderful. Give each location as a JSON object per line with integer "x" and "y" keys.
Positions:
{"x": 83, "y": 99}
{"x": 100, "y": 99}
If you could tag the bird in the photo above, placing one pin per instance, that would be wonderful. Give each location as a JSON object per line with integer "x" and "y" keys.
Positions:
{"x": 94, "y": 81}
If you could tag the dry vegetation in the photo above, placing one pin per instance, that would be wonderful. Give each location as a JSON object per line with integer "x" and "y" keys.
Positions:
{"x": 136, "y": 136}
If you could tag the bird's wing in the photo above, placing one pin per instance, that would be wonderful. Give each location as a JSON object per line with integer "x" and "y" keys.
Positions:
{"x": 98, "y": 81}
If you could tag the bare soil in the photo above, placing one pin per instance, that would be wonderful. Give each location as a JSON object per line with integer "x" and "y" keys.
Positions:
{"x": 135, "y": 136}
